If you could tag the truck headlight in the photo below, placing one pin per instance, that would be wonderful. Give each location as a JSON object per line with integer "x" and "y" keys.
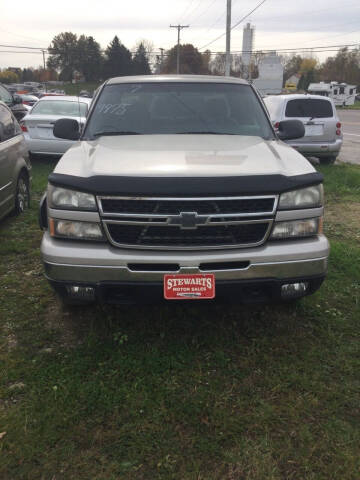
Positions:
{"x": 75, "y": 230}
{"x": 297, "y": 228}
{"x": 309, "y": 197}
{"x": 70, "y": 199}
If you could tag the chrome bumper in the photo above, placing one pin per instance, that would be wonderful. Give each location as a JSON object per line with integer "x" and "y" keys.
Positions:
{"x": 317, "y": 149}
{"x": 68, "y": 261}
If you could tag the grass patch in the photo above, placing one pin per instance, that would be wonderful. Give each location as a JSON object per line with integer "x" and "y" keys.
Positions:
{"x": 185, "y": 392}
{"x": 356, "y": 106}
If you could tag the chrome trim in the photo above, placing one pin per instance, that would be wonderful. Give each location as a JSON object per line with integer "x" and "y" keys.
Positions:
{"x": 78, "y": 215}
{"x": 195, "y": 247}
{"x": 204, "y": 221}
{"x": 283, "y": 215}
{"x": 7, "y": 199}
{"x": 95, "y": 274}
{"x": 99, "y": 199}
{"x": 5, "y": 186}
{"x": 154, "y": 219}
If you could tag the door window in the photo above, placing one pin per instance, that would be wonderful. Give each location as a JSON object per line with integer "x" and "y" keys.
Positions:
{"x": 5, "y": 96}
{"x": 8, "y": 127}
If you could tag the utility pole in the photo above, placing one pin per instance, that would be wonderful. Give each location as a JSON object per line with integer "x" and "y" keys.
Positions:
{"x": 179, "y": 27}
{"x": 228, "y": 33}
{"x": 43, "y": 52}
{"x": 161, "y": 59}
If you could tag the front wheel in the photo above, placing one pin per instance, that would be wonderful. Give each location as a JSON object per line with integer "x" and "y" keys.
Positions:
{"x": 327, "y": 160}
{"x": 22, "y": 198}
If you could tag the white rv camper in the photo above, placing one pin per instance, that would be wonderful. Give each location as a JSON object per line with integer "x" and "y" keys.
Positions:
{"x": 341, "y": 93}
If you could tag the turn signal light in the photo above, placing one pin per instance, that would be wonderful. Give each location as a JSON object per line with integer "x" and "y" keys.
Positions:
{"x": 338, "y": 132}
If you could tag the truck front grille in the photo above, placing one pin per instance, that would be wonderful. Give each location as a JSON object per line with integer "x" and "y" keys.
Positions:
{"x": 187, "y": 223}
{"x": 175, "y": 206}
{"x": 230, "y": 235}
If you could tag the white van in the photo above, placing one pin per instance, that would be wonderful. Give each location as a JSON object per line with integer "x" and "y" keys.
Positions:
{"x": 323, "y": 136}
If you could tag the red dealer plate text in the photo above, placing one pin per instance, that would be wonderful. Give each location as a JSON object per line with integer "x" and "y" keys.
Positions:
{"x": 189, "y": 287}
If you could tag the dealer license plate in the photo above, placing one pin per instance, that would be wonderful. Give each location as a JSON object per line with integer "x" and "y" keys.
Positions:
{"x": 189, "y": 287}
{"x": 313, "y": 130}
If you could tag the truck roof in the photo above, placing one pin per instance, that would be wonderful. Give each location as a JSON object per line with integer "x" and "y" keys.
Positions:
{"x": 176, "y": 78}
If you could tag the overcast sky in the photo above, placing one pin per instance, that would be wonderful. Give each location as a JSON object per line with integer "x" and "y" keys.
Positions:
{"x": 279, "y": 23}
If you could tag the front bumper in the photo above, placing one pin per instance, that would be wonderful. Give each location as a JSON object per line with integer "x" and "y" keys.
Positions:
{"x": 101, "y": 265}
{"x": 318, "y": 149}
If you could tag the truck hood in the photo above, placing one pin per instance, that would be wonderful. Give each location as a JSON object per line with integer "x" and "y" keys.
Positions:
{"x": 181, "y": 156}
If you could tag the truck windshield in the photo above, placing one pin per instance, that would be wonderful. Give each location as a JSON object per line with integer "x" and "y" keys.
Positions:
{"x": 178, "y": 108}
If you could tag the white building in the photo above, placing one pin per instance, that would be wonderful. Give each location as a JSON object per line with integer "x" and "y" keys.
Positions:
{"x": 271, "y": 74}
{"x": 247, "y": 48}
{"x": 341, "y": 93}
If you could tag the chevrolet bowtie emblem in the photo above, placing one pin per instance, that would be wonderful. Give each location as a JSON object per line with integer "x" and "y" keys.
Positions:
{"x": 188, "y": 220}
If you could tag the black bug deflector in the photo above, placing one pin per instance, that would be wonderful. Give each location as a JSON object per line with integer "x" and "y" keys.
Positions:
{"x": 186, "y": 186}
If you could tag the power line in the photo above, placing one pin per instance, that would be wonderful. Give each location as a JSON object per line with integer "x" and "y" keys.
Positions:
{"x": 186, "y": 9}
{"x": 28, "y": 48}
{"x": 235, "y": 25}
{"x": 203, "y": 12}
{"x": 14, "y": 51}
{"x": 194, "y": 9}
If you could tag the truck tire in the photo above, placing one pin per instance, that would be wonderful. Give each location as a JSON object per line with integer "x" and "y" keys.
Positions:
{"x": 22, "y": 196}
{"x": 327, "y": 160}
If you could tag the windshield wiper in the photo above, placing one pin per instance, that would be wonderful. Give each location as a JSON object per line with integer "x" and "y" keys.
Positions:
{"x": 101, "y": 134}
{"x": 205, "y": 133}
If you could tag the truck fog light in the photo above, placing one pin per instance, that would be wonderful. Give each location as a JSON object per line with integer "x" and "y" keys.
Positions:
{"x": 293, "y": 290}
{"x": 85, "y": 293}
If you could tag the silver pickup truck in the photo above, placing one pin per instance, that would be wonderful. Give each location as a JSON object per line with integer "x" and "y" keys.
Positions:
{"x": 179, "y": 189}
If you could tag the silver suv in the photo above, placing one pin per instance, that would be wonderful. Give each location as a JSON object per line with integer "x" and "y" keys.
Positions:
{"x": 323, "y": 136}
{"x": 15, "y": 169}
{"x": 179, "y": 189}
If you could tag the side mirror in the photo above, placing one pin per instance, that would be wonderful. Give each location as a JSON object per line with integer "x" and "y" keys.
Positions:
{"x": 67, "y": 128}
{"x": 17, "y": 99}
{"x": 291, "y": 129}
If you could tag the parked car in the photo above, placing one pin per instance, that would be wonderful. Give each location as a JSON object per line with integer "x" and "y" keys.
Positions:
{"x": 13, "y": 101}
{"x": 179, "y": 188}
{"x": 323, "y": 136}
{"x": 85, "y": 93}
{"x": 29, "y": 100}
{"x": 38, "y": 124}
{"x": 15, "y": 168}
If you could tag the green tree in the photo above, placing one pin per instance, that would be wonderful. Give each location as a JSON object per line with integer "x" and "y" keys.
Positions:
{"x": 64, "y": 54}
{"x": 140, "y": 61}
{"x": 344, "y": 67}
{"x": 292, "y": 65}
{"x": 27, "y": 75}
{"x": 191, "y": 60}
{"x": 90, "y": 59}
{"x": 7, "y": 76}
{"x": 118, "y": 60}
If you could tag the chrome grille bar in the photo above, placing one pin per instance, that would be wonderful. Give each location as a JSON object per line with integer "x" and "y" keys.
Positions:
{"x": 164, "y": 230}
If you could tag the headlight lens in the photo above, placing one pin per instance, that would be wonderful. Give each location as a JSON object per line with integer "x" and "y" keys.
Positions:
{"x": 79, "y": 230}
{"x": 70, "y": 199}
{"x": 297, "y": 228}
{"x": 303, "y": 198}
